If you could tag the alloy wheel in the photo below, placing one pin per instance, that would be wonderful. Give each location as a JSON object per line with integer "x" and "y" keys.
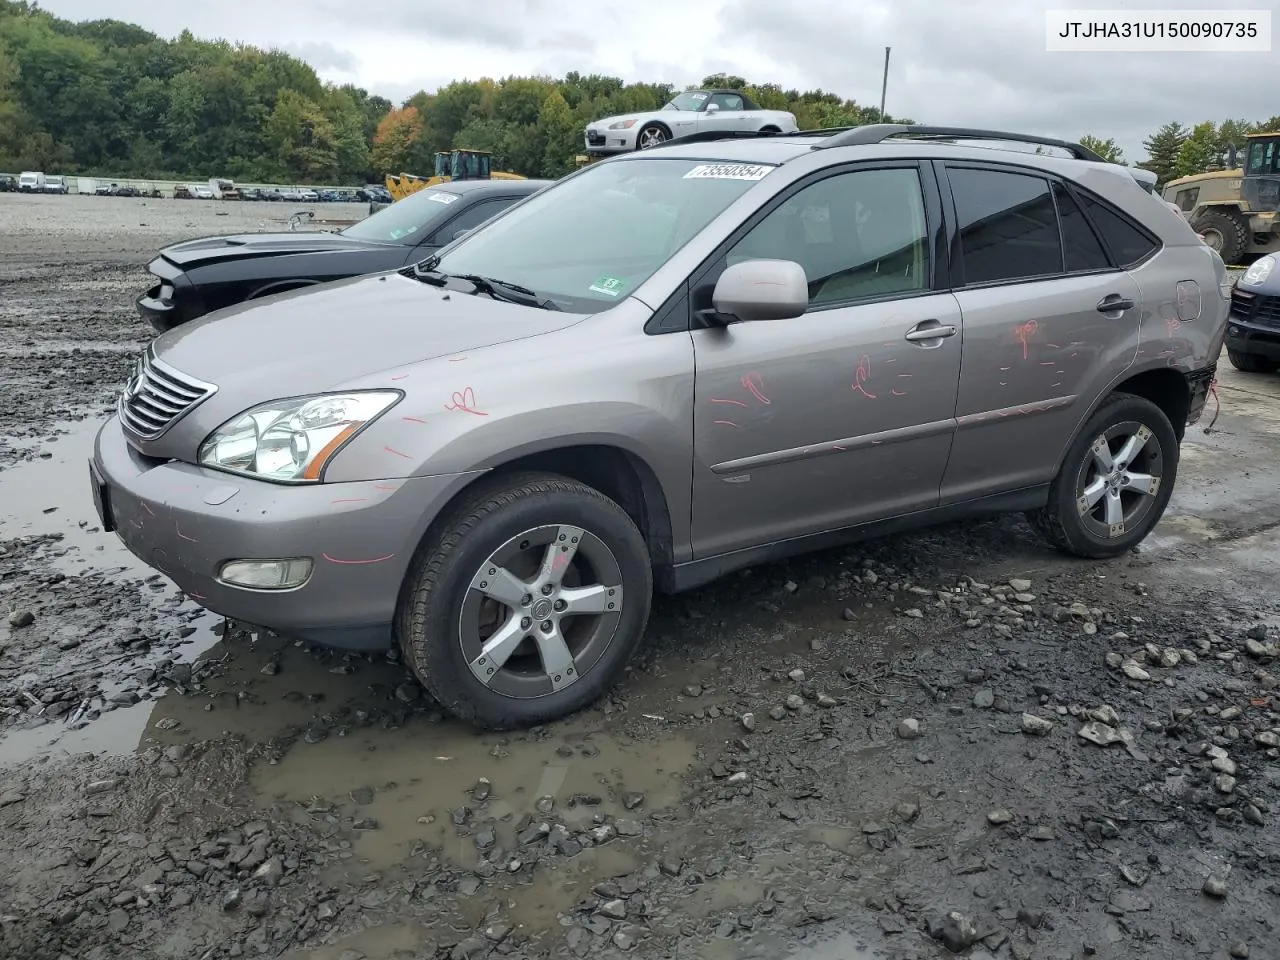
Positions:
{"x": 651, "y": 138}
{"x": 541, "y": 611}
{"x": 1117, "y": 484}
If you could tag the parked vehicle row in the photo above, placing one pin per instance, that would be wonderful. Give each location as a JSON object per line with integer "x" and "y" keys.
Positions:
{"x": 667, "y": 366}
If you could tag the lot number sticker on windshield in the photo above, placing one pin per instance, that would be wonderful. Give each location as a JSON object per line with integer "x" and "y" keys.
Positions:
{"x": 609, "y": 286}
{"x": 728, "y": 171}
{"x": 443, "y": 197}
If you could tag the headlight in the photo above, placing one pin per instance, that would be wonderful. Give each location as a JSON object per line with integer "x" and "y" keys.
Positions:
{"x": 622, "y": 125}
{"x": 293, "y": 440}
{"x": 1259, "y": 270}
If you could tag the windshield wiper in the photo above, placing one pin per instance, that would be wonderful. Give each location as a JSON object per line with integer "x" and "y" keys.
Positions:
{"x": 510, "y": 292}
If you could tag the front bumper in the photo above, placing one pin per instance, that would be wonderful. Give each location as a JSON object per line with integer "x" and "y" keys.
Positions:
{"x": 158, "y": 308}
{"x": 610, "y": 141}
{"x": 187, "y": 521}
{"x": 1249, "y": 336}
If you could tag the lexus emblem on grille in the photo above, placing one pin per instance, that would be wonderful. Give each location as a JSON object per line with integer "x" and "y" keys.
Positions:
{"x": 134, "y": 386}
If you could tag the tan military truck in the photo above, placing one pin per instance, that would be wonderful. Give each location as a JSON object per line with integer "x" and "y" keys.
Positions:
{"x": 1236, "y": 210}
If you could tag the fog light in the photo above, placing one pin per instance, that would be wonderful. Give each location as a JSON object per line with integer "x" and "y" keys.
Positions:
{"x": 266, "y": 574}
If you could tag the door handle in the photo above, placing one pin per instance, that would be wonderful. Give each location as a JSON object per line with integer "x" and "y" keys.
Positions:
{"x": 1115, "y": 302}
{"x": 930, "y": 330}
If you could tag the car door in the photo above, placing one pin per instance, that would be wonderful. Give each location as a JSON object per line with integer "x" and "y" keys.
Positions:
{"x": 728, "y": 115}
{"x": 844, "y": 414}
{"x": 1049, "y": 322}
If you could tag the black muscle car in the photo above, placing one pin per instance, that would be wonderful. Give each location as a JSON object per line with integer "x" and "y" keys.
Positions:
{"x": 196, "y": 277}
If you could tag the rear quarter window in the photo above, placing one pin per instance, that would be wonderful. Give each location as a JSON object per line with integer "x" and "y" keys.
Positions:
{"x": 1128, "y": 242}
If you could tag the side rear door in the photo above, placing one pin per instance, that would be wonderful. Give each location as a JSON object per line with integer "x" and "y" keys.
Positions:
{"x": 845, "y": 414}
{"x": 1050, "y": 320}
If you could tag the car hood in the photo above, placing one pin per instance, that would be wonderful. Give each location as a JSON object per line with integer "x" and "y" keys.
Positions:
{"x": 251, "y": 246}
{"x": 348, "y": 334}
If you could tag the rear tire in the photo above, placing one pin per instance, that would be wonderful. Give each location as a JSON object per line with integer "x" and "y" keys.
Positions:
{"x": 1098, "y": 513}
{"x": 1251, "y": 362}
{"x": 1225, "y": 231}
{"x": 547, "y": 545}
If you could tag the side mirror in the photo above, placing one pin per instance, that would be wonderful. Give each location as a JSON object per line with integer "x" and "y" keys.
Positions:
{"x": 712, "y": 107}
{"x": 760, "y": 290}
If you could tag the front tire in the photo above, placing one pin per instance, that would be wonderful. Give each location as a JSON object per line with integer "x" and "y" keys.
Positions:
{"x": 1225, "y": 231}
{"x": 1115, "y": 482}
{"x": 1251, "y": 362}
{"x": 527, "y": 602}
{"x": 652, "y": 135}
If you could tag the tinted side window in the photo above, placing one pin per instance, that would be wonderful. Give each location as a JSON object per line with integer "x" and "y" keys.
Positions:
{"x": 727, "y": 101}
{"x": 1008, "y": 225}
{"x": 471, "y": 218}
{"x": 1080, "y": 244}
{"x": 1128, "y": 243}
{"x": 858, "y": 234}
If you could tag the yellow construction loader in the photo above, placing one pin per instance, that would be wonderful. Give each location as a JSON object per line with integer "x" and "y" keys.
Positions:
{"x": 450, "y": 165}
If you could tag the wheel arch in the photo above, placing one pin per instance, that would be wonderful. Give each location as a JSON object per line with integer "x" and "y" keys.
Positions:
{"x": 1166, "y": 387}
{"x": 619, "y": 473}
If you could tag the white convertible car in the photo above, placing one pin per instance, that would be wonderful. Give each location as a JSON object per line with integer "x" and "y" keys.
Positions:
{"x": 695, "y": 111}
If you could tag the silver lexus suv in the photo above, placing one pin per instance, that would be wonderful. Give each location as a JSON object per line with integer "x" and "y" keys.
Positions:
{"x": 667, "y": 366}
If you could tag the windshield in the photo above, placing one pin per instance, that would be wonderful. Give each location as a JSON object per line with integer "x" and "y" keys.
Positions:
{"x": 406, "y": 221}
{"x": 592, "y": 239}
{"x": 693, "y": 101}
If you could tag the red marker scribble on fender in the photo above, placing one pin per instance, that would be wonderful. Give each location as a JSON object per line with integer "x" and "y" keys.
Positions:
{"x": 464, "y": 401}
{"x": 177, "y": 528}
{"x": 357, "y": 562}
{"x": 403, "y": 376}
{"x": 836, "y": 446}
{"x": 145, "y": 507}
{"x": 351, "y": 500}
{"x": 1024, "y": 332}
{"x": 862, "y": 374}
{"x": 413, "y": 419}
{"x": 397, "y": 453}
{"x": 457, "y": 359}
{"x": 725, "y": 423}
{"x": 898, "y": 393}
{"x": 736, "y": 403}
{"x": 383, "y": 486}
{"x": 195, "y": 596}
{"x": 755, "y": 385}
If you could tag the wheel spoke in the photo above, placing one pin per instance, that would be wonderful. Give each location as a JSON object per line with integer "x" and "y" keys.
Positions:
{"x": 595, "y": 599}
{"x": 1092, "y": 494}
{"x": 1102, "y": 455}
{"x": 560, "y": 553}
{"x": 499, "y": 583}
{"x": 1114, "y": 508}
{"x": 556, "y": 658}
{"x": 1132, "y": 447}
{"x": 498, "y": 649}
{"x": 1142, "y": 483}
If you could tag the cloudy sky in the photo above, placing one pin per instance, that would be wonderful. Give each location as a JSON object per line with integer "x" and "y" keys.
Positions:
{"x": 954, "y": 62}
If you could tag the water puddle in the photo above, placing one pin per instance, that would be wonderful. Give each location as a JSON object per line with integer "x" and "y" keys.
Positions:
{"x": 50, "y": 495}
{"x": 419, "y": 781}
{"x": 841, "y": 947}
{"x": 392, "y": 941}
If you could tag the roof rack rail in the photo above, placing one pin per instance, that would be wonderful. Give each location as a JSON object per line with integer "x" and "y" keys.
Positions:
{"x": 879, "y": 132}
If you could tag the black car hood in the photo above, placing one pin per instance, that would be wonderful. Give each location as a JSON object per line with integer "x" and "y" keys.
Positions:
{"x": 252, "y": 246}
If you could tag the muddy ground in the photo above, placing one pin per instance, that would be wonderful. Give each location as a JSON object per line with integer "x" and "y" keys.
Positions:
{"x": 955, "y": 741}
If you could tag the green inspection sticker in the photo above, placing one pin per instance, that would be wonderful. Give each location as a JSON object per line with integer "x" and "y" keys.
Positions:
{"x": 609, "y": 286}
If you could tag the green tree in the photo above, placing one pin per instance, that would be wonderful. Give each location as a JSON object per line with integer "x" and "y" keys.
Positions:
{"x": 1107, "y": 149}
{"x": 301, "y": 139}
{"x": 1163, "y": 148}
{"x": 1199, "y": 151}
{"x": 562, "y": 135}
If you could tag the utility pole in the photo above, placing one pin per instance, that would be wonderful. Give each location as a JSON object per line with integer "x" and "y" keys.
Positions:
{"x": 884, "y": 86}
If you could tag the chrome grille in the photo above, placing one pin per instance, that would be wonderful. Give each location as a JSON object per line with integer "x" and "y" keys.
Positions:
{"x": 157, "y": 396}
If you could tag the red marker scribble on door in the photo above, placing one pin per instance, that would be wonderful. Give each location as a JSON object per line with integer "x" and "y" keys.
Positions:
{"x": 357, "y": 562}
{"x": 724, "y": 423}
{"x": 413, "y": 419}
{"x": 146, "y": 507}
{"x": 861, "y": 375}
{"x": 402, "y": 376}
{"x": 464, "y": 401}
{"x": 397, "y": 453}
{"x": 736, "y": 403}
{"x": 350, "y": 500}
{"x": 177, "y": 528}
{"x": 754, "y": 384}
{"x": 1024, "y": 332}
